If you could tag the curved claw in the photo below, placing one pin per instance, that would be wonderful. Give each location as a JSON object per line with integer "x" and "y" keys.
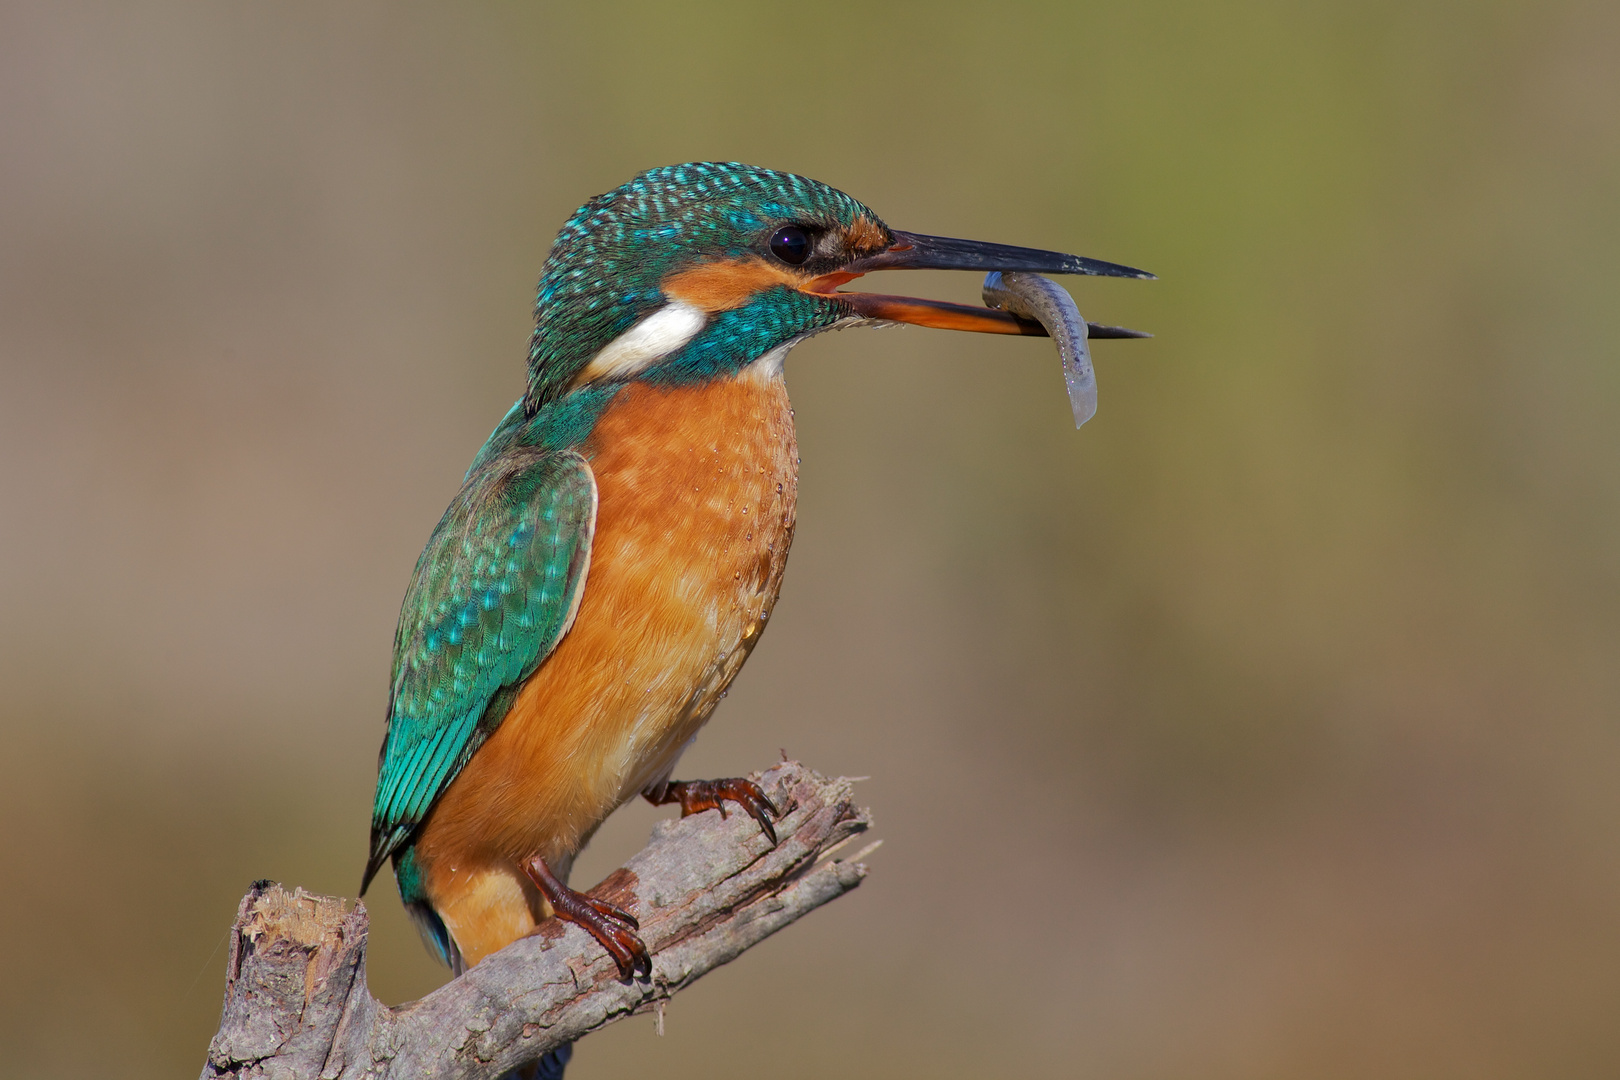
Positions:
{"x": 629, "y": 952}
{"x": 612, "y": 926}
{"x": 696, "y": 796}
{"x": 759, "y": 807}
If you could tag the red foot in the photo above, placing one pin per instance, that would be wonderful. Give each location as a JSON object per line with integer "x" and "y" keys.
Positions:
{"x": 611, "y": 925}
{"x": 696, "y": 796}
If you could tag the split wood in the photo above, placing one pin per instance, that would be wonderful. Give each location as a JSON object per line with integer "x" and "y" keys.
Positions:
{"x": 704, "y": 889}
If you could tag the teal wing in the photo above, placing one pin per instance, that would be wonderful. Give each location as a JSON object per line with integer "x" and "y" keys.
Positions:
{"x": 495, "y": 589}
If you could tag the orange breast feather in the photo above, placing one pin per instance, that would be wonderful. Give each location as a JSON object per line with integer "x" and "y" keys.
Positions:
{"x": 696, "y": 489}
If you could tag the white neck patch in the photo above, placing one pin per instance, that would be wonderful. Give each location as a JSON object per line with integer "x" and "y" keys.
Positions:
{"x": 644, "y": 344}
{"x": 769, "y": 366}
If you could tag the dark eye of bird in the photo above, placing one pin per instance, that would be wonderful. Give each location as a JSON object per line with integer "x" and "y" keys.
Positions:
{"x": 791, "y": 244}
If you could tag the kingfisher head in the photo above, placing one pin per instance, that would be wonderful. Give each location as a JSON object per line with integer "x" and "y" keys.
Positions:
{"x": 697, "y": 271}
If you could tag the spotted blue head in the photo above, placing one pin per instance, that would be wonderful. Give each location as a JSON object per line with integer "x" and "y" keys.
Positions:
{"x": 692, "y": 272}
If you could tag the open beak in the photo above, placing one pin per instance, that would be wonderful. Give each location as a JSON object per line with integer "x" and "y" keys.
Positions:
{"x": 915, "y": 251}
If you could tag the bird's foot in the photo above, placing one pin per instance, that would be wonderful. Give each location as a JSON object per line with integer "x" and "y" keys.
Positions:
{"x": 696, "y": 796}
{"x": 608, "y": 923}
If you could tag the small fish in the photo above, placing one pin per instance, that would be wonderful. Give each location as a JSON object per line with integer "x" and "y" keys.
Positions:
{"x": 1032, "y": 296}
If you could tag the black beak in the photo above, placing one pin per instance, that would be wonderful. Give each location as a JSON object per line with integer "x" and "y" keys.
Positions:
{"x": 915, "y": 251}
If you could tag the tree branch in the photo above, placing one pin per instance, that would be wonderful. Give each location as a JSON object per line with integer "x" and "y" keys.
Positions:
{"x": 704, "y": 889}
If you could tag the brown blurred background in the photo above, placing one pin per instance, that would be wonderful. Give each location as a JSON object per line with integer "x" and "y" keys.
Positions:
{"x": 1268, "y": 727}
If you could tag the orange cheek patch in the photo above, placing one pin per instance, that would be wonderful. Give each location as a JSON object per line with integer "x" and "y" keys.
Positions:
{"x": 866, "y": 237}
{"x": 721, "y": 286}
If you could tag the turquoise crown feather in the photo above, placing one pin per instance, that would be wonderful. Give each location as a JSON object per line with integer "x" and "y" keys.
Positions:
{"x": 606, "y": 266}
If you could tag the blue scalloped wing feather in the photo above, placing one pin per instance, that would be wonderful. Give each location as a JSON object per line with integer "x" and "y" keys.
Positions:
{"x": 493, "y": 593}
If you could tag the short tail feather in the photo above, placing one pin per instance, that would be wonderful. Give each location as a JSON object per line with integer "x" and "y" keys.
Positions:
{"x": 555, "y": 1061}
{"x": 549, "y": 1067}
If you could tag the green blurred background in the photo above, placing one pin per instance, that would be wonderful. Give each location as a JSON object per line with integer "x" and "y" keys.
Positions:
{"x": 1268, "y": 727}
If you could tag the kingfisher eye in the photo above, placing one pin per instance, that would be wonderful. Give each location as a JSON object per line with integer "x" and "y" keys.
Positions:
{"x": 791, "y": 244}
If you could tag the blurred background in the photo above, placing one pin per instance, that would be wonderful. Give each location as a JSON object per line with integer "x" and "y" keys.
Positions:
{"x": 1267, "y": 727}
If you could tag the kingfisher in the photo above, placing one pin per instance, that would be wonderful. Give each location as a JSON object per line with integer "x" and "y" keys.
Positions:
{"x": 618, "y": 543}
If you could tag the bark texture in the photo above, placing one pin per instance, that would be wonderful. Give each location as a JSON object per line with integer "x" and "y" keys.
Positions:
{"x": 704, "y": 889}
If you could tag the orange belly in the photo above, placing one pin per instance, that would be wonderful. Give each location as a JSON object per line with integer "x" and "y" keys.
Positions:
{"x": 696, "y": 490}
